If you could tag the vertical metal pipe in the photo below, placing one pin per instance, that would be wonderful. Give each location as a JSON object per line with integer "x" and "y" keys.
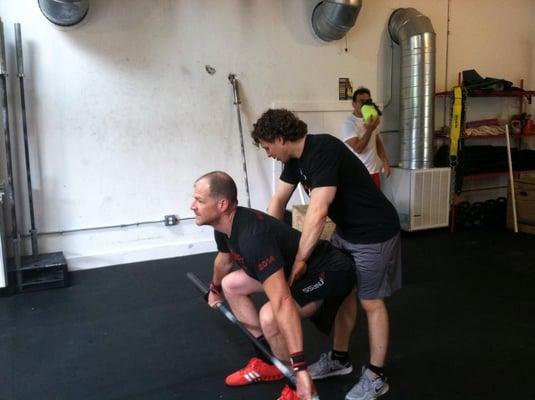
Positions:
{"x": 416, "y": 37}
{"x": 511, "y": 178}
{"x": 236, "y": 92}
{"x": 3, "y": 62}
{"x": 9, "y": 164}
{"x": 20, "y": 69}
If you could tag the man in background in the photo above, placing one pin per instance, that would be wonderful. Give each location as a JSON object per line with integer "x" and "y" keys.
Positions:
{"x": 362, "y": 136}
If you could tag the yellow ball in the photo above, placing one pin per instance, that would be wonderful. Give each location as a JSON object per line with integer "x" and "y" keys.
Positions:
{"x": 369, "y": 112}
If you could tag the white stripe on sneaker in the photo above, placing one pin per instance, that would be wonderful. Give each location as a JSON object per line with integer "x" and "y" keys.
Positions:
{"x": 252, "y": 376}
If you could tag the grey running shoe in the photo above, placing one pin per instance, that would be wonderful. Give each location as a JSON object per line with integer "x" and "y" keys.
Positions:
{"x": 325, "y": 367}
{"x": 367, "y": 388}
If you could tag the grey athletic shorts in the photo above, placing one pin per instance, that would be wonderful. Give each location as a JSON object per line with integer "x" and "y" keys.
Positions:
{"x": 378, "y": 266}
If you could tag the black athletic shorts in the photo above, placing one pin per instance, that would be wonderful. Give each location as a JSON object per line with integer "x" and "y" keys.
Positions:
{"x": 330, "y": 277}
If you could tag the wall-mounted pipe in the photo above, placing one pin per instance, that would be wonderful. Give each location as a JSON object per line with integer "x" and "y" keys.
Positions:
{"x": 414, "y": 33}
{"x": 332, "y": 19}
{"x": 64, "y": 12}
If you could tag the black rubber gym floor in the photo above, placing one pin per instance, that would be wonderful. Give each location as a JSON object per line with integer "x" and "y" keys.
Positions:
{"x": 462, "y": 327}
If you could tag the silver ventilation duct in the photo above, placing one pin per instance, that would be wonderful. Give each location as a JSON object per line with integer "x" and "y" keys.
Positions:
{"x": 332, "y": 19}
{"x": 416, "y": 37}
{"x": 64, "y": 12}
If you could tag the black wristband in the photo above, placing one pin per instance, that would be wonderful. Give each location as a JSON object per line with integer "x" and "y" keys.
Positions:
{"x": 298, "y": 361}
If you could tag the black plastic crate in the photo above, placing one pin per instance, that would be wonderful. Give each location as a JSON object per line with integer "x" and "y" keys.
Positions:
{"x": 46, "y": 271}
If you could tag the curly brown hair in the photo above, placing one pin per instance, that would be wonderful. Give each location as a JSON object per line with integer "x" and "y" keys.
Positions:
{"x": 278, "y": 123}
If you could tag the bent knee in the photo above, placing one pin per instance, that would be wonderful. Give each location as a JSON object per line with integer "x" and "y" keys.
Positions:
{"x": 267, "y": 320}
{"x": 237, "y": 283}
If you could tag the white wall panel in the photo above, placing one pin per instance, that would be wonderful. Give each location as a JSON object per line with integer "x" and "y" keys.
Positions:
{"x": 123, "y": 116}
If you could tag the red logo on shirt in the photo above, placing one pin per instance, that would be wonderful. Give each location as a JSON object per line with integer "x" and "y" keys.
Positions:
{"x": 265, "y": 263}
{"x": 238, "y": 259}
{"x": 259, "y": 215}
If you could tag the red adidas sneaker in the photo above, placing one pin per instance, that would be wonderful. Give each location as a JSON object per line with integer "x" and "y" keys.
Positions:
{"x": 288, "y": 394}
{"x": 256, "y": 370}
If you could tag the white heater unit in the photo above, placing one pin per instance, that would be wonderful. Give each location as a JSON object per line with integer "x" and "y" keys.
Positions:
{"x": 420, "y": 196}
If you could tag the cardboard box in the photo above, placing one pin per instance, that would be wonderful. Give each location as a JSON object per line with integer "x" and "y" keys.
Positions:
{"x": 525, "y": 205}
{"x": 298, "y": 217}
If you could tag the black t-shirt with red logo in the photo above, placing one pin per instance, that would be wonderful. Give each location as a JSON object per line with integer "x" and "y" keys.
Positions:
{"x": 360, "y": 210}
{"x": 261, "y": 245}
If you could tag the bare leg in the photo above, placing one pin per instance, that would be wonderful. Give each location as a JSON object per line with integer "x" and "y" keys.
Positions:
{"x": 378, "y": 328}
{"x": 344, "y": 323}
{"x": 272, "y": 332}
{"x": 237, "y": 286}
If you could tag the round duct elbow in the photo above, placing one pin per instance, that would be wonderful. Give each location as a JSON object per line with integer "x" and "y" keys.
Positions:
{"x": 407, "y": 22}
{"x": 64, "y": 12}
{"x": 332, "y": 19}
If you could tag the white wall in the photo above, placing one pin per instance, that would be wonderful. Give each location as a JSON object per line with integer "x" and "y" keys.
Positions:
{"x": 123, "y": 116}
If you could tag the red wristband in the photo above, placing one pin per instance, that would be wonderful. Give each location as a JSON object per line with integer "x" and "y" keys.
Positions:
{"x": 298, "y": 361}
{"x": 216, "y": 289}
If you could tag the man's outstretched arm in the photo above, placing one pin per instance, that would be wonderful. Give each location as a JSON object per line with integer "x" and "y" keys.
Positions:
{"x": 286, "y": 315}
{"x": 315, "y": 218}
{"x": 223, "y": 263}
